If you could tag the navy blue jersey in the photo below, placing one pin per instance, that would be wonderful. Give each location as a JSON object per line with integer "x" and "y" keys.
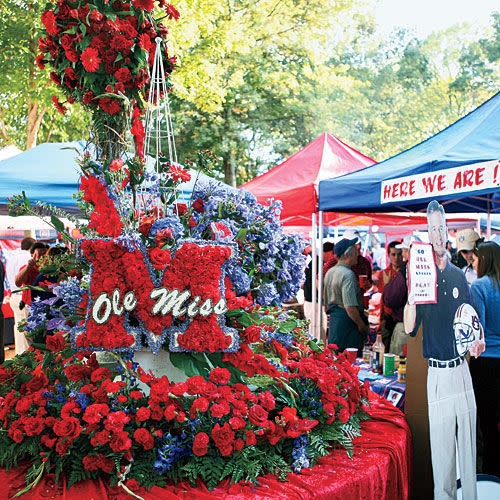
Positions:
{"x": 438, "y": 336}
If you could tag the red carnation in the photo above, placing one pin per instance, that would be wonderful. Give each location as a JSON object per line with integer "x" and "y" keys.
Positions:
{"x": 220, "y": 376}
{"x": 62, "y": 109}
{"x": 111, "y": 106}
{"x": 142, "y": 414}
{"x": 95, "y": 16}
{"x": 100, "y": 373}
{"x": 172, "y": 12}
{"x": 147, "y": 5}
{"x": 49, "y": 21}
{"x": 200, "y": 444}
{"x": 198, "y": 205}
{"x": 142, "y": 436}
{"x": 122, "y": 44}
{"x": 123, "y": 75}
{"x": 250, "y": 438}
{"x": 267, "y": 400}
{"x": 120, "y": 442}
{"x": 55, "y": 78}
{"x": 88, "y": 96}
{"x": 344, "y": 415}
{"x": 72, "y": 55}
{"x": 40, "y": 62}
{"x": 90, "y": 59}
{"x": 224, "y": 438}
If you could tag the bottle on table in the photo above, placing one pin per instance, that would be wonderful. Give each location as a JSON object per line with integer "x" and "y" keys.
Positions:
{"x": 378, "y": 354}
{"x": 402, "y": 370}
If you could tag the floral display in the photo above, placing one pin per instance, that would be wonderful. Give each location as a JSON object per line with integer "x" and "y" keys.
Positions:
{"x": 200, "y": 281}
{"x": 102, "y": 50}
{"x": 275, "y": 402}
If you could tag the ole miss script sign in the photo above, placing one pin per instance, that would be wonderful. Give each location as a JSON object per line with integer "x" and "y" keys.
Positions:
{"x": 475, "y": 177}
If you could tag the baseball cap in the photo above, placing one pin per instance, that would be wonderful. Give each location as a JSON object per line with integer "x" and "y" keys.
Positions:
{"x": 343, "y": 245}
{"x": 352, "y": 234}
{"x": 466, "y": 239}
{"x": 407, "y": 241}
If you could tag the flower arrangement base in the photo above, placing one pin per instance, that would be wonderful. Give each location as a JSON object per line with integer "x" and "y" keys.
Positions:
{"x": 160, "y": 365}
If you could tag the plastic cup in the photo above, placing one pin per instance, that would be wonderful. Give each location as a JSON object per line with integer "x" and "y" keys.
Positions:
{"x": 351, "y": 354}
{"x": 389, "y": 364}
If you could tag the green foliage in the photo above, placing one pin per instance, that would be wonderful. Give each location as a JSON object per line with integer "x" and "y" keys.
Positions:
{"x": 247, "y": 465}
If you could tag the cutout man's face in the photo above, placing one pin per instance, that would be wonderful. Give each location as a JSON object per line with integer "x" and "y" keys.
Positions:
{"x": 438, "y": 234}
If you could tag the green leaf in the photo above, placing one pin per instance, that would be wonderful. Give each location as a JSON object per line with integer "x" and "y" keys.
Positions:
{"x": 57, "y": 223}
{"x": 287, "y": 326}
{"x": 315, "y": 347}
{"x": 26, "y": 201}
{"x": 242, "y": 234}
{"x": 189, "y": 363}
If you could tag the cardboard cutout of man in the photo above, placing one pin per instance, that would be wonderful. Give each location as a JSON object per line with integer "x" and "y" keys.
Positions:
{"x": 451, "y": 403}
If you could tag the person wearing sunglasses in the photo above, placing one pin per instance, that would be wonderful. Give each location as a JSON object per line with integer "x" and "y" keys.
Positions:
{"x": 485, "y": 370}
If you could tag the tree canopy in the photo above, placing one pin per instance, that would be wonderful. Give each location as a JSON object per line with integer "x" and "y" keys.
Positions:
{"x": 259, "y": 79}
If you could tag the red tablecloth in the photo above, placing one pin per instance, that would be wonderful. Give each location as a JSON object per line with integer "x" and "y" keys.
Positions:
{"x": 379, "y": 469}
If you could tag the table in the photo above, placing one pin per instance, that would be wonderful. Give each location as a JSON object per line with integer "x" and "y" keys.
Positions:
{"x": 387, "y": 387}
{"x": 380, "y": 468}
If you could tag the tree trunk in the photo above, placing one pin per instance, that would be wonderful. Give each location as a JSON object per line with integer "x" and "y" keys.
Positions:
{"x": 35, "y": 115}
{"x": 228, "y": 161}
{"x": 229, "y": 169}
{"x": 34, "y": 122}
{"x": 3, "y": 128}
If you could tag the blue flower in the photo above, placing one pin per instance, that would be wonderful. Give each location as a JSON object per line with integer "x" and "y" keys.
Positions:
{"x": 168, "y": 222}
{"x": 299, "y": 452}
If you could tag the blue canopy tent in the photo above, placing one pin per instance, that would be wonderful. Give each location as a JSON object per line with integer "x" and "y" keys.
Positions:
{"x": 458, "y": 166}
{"x": 49, "y": 173}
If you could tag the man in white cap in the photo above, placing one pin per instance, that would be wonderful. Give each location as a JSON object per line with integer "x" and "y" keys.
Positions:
{"x": 466, "y": 239}
{"x": 405, "y": 245}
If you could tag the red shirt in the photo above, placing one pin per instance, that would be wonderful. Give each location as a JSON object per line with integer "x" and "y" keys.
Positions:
{"x": 362, "y": 268}
{"x": 29, "y": 280}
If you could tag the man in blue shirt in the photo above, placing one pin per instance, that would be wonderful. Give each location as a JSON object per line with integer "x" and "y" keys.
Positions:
{"x": 450, "y": 396}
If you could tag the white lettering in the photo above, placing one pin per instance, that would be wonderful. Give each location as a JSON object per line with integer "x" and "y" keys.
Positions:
{"x": 102, "y": 299}
{"x": 169, "y": 301}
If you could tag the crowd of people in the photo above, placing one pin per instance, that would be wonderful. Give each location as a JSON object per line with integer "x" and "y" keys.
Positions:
{"x": 359, "y": 296}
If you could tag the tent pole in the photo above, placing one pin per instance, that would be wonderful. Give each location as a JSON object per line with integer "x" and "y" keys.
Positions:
{"x": 314, "y": 284}
{"x": 488, "y": 225}
{"x": 320, "y": 277}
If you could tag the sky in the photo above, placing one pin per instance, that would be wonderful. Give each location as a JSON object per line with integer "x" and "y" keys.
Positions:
{"x": 426, "y": 16}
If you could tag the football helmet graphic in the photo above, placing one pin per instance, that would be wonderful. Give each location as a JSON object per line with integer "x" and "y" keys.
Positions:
{"x": 467, "y": 328}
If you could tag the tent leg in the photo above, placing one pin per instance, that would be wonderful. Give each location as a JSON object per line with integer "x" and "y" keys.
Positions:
{"x": 488, "y": 225}
{"x": 314, "y": 274}
{"x": 319, "y": 334}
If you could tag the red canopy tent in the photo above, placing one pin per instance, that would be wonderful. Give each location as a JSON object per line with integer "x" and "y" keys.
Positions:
{"x": 295, "y": 181}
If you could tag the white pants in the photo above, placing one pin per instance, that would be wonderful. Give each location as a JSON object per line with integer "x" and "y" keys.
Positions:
{"x": 19, "y": 337}
{"x": 452, "y": 427}
{"x": 308, "y": 310}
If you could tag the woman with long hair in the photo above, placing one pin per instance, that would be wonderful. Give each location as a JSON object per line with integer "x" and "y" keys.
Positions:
{"x": 485, "y": 370}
